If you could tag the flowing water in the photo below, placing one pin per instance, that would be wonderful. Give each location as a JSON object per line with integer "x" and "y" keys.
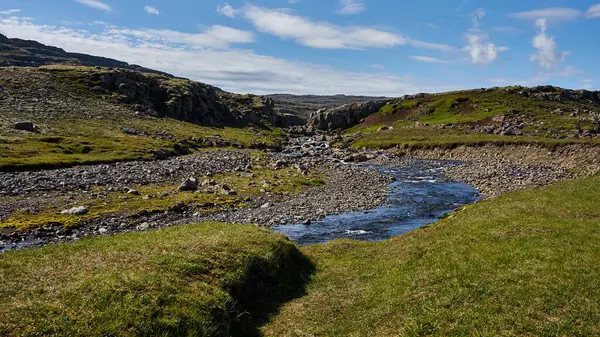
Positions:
{"x": 419, "y": 196}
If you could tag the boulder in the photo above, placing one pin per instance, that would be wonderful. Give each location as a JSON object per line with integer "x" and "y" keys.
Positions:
{"x": 26, "y": 126}
{"x": 190, "y": 184}
{"x": 81, "y": 210}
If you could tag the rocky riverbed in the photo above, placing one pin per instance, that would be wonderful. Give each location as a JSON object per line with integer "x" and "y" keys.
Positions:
{"x": 352, "y": 182}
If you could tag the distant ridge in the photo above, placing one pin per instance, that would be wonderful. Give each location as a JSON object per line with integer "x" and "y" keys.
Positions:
{"x": 28, "y": 53}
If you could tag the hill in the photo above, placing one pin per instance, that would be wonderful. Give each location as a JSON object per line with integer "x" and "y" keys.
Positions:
{"x": 28, "y": 53}
{"x": 495, "y": 113}
{"x": 64, "y": 115}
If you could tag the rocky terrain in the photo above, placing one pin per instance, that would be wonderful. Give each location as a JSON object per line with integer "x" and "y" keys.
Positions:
{"x": 346, "y": 186}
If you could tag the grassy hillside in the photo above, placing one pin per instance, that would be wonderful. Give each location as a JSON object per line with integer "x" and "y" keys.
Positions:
{"x": 208, "y": 279}
{"x": 523, "y": 264}
{"x": 81, "y": 119}
{"x": 496, "y": 114}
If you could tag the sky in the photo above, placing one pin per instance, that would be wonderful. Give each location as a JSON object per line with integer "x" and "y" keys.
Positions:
{"x": 360, "y": 47}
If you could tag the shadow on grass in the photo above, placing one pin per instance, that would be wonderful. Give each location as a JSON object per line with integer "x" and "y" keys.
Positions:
{"x": 268, "y": 287}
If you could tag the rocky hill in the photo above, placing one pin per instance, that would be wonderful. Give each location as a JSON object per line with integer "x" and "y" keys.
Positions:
{"x": 27, "y": 53}
{"x": 543, "y": 111}
{"x": 57, "y": 115}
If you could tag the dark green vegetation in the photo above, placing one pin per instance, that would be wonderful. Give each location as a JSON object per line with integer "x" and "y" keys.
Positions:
{"x": 303, "y": 105}
{"x": 89, "y": 115}
{"x": 510, "y": 114}
{"x": 524, "y": 264}
{"x": 208, "y": 279}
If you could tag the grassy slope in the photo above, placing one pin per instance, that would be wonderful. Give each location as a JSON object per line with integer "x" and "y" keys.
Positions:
{"x": 424, "y": 137}
{"x": 469, "y": 107}
{"x": 206, "y": 279}
{"x": 79, "y": 126}
{"x": 522, "y": 264}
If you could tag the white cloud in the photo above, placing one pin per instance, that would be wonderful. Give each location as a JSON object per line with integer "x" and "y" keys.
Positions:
{"x": 9, "y": 11}
{"x": 227, "y": 10}
{"x": 547, "y": 54}
{"x": 594, "y": 11}
{"x": 233, "y": 70}
{"x": 325, "y": 35}
{"x": 587, "y": 84}
{"x": 217, "y": 37}
{"x": 377, "y": 66}
{"x": 351, "y": 7}
{"x": 151, "y": 10}
{"x": 95, "y": 4}
{"x": 551, "y": 14}
{"x": 428, "y": 59}
{"x": 293, "y": 1}
{"x": 481, "y": 50}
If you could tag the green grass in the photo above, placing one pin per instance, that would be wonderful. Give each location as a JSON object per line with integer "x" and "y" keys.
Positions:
{"x": 77, "y": 141}
{"x": 524, "y": 264}
{"x": 479, "y": 106}
{"x": 209, "y": 279}
{"x": 426, "y": 137}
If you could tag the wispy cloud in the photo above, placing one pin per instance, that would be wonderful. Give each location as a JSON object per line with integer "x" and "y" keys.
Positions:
{"x": 235, "y": 70}
{"x": 594, "y": 11}
{"x": 547, "y": 53}
{"x": 481, "y": 50}
{"x": 325, "y": 35}
{"x": 551, "y": 14}
{"x": 587, "y": 84}
{"x": 428, "y": 59}
{"x": 9, "y": 11}
{"x": 217, "y": 37}
{"x": 95, "y": 4}
{"x": 351, "y": 7}
{"x": 377, "y": 66}
{"x": 151, "y": 10}
{"x": 227, "y": 10}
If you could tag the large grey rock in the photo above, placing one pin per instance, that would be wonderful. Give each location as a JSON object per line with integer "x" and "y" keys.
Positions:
{"x": 190, "y": 184}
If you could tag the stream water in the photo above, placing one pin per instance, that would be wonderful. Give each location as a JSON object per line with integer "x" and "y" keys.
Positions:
{"x": 419, "y": 196}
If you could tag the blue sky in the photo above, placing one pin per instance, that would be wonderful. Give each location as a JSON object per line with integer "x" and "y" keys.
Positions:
{"x": 371, "y": 47}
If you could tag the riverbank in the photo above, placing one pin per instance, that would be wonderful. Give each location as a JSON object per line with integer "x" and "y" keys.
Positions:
{"x": 520, "y": 264}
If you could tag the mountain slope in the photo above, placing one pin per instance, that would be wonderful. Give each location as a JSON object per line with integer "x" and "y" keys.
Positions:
{"x": 27, "y": 53}
{"x": 93, "y": 114}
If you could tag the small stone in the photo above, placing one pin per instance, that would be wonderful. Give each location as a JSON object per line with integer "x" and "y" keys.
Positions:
{"x": 209, "y": 182}
{"x": 102, "y": 230}
{"x": 143, "y": 226}
{"x": 133, "y": 192}
{"x": 267, "y": 205}
{"x": 81, "y": 210}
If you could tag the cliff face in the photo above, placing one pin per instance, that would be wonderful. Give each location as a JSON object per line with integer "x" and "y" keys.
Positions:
{"x": 342, "y": 117}
{"x": 181, "y": 99}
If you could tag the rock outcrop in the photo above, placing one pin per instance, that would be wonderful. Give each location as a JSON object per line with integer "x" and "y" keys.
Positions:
{"x": 342, "y": 117}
